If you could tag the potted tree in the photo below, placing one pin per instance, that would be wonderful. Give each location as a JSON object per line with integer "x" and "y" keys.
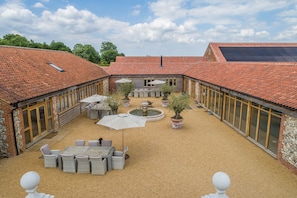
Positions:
{"x": 178, "y": 104}
{"x": 166, "y": 90}
{"x": 114, "y": 101}
{"x": 126, "y": 89}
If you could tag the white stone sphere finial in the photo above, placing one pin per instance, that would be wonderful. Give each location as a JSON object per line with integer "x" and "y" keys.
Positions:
{"x": 30, "y": 181}
{"x": 221, "y": 181}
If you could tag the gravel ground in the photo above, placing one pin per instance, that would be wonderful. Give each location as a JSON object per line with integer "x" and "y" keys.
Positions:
{"x": 164, "y": 162}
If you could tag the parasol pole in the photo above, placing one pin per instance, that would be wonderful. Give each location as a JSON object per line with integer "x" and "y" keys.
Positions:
{"x": 122, "y": 139}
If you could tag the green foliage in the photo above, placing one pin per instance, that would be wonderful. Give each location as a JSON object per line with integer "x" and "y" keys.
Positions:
{"x": 18, "y": 40}
{"x": 166, "y": 89}
{"x": 178, "y": 104}
{"x": 105, "y": 46}
{"x": 32, "y": 44}
{"x": 59, "y": 46}
{"x": 108, "y": 56}
{"x": 87, "y": 52}
{"x": 126, "y": 88}
{"x": 109, "y": 52}
{"x": 14, "y": 40}
{"x": 114, "y": 101}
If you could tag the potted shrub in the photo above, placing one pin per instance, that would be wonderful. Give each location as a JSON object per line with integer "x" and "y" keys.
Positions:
{"x": 166, "y": 90}
{"x": 178, "y": 104}
{"x": 114, "y": 101}
{"x": 126, "y": 89}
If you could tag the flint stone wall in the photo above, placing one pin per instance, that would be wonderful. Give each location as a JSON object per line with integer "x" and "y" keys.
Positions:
{"x": 3, "y": 137}
{"x": 289, "y": 150}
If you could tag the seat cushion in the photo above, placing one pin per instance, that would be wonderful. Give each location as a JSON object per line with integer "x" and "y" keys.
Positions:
{"x": 46, "y": 150}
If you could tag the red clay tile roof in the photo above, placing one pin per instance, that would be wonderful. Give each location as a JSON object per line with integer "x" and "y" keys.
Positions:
{"x": 31, "y": 76}
{"x": 148, "y": 65}
{"x": 25, "y": 73}
{"x": 274, "y": 82}
{"x": 168, "y": 59}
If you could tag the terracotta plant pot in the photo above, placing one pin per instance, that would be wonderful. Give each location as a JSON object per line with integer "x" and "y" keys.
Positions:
{"x": 176, "y": 123}
{"x": 126, "y": 103}
{"x": 165, "y": 103}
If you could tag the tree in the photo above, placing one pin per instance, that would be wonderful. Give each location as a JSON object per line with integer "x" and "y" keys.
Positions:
{"x": 105, "y": 46}
{"x": 14, "y": 40}
{"x": 126, "y": 89}
{"x": 32, "y": 44}
{"x": 166, "y": 89}
{"x": 109, "y": 53}
{"x": 108, "y": 56}
{"x": 178, "y": 104}
{"x": 87, "y": 52}
{"x": 59, "y": 46}
{"x": 114, "y": 101}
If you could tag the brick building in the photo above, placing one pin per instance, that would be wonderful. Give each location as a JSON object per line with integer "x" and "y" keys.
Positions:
{"x": 249, "y": 86}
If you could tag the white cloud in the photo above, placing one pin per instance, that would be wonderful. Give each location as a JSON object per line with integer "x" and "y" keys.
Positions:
{"x": 14, "y": 17}
{"x": 168, "y": 9}
{"x": 38, "y": 5}
{"x": 288, "y": 34}
{"x": 136, "y": 10}
{"x": 262, "y": 34}
{"x": 247, "y": 33}
{"x": 170, "y": 25}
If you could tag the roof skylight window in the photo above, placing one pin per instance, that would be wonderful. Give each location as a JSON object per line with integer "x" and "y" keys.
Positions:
{"x": 56, "y": 67}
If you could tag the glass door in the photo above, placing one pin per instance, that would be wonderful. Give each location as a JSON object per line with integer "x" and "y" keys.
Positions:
{"x": 38, "y": 121}
{"x": 34, "y": 122}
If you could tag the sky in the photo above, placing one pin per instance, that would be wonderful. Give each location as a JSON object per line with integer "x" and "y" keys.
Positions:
{"x": 150, "y": 28}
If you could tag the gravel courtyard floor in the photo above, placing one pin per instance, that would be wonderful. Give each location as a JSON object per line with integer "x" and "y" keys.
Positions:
{"x": 164, "y": 162}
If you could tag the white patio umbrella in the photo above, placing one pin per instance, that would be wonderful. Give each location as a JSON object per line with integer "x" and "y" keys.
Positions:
{"x": 94, "y": 98}
{"x": 157, "y": 82}
{"x": 123, "y": 80}
{"x": 122, "y": 121}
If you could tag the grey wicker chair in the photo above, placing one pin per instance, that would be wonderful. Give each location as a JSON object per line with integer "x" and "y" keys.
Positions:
{"x": 83, "y": 164}
{"x": 80, "y": 142}
{"x": 118, "y": 159}
{"x": 69, "y": 163}
{"x": 50, "y": 156}
{"x": 93, "y": 143}
{"x": 106, "y": 143}
{"x": 98, "y": 165}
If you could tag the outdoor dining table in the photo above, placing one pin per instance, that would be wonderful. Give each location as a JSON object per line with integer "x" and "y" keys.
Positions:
{"x": 103, "y": 151}
{"x": 99, "y": 110}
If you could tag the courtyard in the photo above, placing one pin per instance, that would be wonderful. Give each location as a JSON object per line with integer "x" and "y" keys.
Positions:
{"x": 164, "y": 162}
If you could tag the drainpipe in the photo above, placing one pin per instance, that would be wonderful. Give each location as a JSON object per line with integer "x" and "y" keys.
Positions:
{"x": 15, "y": 138}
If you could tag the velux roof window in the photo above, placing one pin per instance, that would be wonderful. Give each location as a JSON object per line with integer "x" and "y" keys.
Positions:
{"x": 56, "y": 67}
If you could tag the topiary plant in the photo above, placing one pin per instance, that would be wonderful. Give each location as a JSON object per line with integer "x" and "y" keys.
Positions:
{"x": 126, "y": 89}
{"x": 166, "y": 89}
{"x": 114, "y": 101}
{"x": 178, "y": 104}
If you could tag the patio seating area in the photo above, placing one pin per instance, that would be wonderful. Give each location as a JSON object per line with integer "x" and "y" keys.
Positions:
{"x": 163, "y": 162}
